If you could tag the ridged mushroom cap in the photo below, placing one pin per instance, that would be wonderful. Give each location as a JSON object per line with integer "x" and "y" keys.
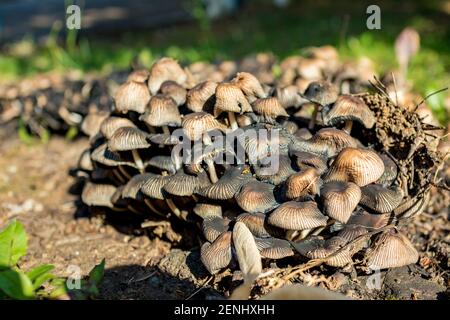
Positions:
{"x": 274, "y": 248}
{"x": 162, "y": 111}
{"x": 300, "y": 184}
{"x": 182, "y": 184}
{"x": 164, "y": 70}
{"x": 274, "y": 169}
{"x": 207, "y": 210}
{"x": 288, "y": 96}
{"x": 201, "y": 95}
{"x": 111, "y": 124}
{"x": 327, "y": 142}
{"x": 249, "y": 85}
{"x": 132, "y": 190}
{"x": 349, "y": 107}
{"x": 390, "y": 170}
{"x": 198, "y": 123}
{"x": 391, "y": 250}
{"x": 92, "y": 122}
{"x": 306, "y": 160}
{"x": 175, "y": 91}
{"x": 368, "y": 220}
{"x": 213, "y": 227}
{"x": 104, "y": 156}
{"x": 128, "y": 138}
{"x": 256, "y": 223}
{"x": 269, "y": 108}
{"x": 163, "y": 163}
{"x": 293, "y": 215}
{"x": 217, "y": 255}
{"x": 321, "y": 92}
{"x": 85, "y": 161}
{"x": 256, "y": 196}
{"x": 381, "y": 199}
{"x": 154, "y": 187}
{"x": 132, "y": 95}
{"x": 340, "y": 199}
{"x": 98, "y": 195}
{"x": 360, "y": 166}
{"x": 229, "y": 98}
{"x": 228, "y": 185}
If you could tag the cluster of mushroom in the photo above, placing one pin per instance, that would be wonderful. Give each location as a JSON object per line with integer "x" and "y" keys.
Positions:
{"x": 332, "y": 196}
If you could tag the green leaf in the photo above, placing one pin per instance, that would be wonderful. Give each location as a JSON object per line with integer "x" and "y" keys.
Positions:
{"x": 39, "y": 271}
{"x": 97, "y": 273}
{"x": 13, "y": 244}
{"x": 59, "y": 288}
{"x": 16, "y": 285}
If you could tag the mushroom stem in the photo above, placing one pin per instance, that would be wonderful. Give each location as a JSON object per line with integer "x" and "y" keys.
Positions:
{"x": 138, "y": 160}
{"x": 312, "y": 122}
{"x": 173, "y": 207}
{"x": 118, "y": 176}
{"x": 129, "y": 207}
{"x": 233, "y": 122}
{"x": 211, "y": 168}
{"x": 348, "y": 126}
{"x": 150, "y": 128}
{"x": 166, "y": 129}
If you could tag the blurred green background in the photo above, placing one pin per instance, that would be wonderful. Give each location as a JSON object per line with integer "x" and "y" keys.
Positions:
{"x": 256, "y": 26}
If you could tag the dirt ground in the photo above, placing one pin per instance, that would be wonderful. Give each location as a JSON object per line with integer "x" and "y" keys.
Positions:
{"x": 38, "y": 188}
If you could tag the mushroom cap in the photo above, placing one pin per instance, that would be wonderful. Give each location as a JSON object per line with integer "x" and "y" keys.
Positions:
{"x": 300, "y": 184}
{"x": 154, "y": 186}
{"x": 274, "y": 248}
{"x": 98, "y": 195}
{"x": 164, "y": 163}
{"x": 104, "y": 156}
{"x": 311, "y": 68}
{"x": 321, "y": 92}
{"x": 269, "y": 108}
{"x": 340, "y": 199}
{"x": 207, "y": 210}
{"x": 139, "y": 76}
{"x": 326, "y": 52}
{"x": 327, "y": 142}
{"x": 381, "y": 199}
{"x": 368, "y": 220}
{"x": 182, "y": 184}
{"x": 128, "y": 138}
{"x": 217, "y": 255}
{"x": 306, "y": 160}
{"x": 351, "y": 232}
{"x": 92, "y": 122}
{"x": 293, "y": 215}
{"x": 249, "y": 85}
{"x": 132, "y": 189}
{"x": 200, "y": 95}
{"x": 111, "y": 124}
{"x": 228, "y": 185}
{"x": 256, "y": 196}
{"x": 247, "y": 252}
{"x": 390, "y": 250}
{"x": 256, "y": 223}
{"x": 197, "y": 123}
{"x": 85, "y": 161}
{"x": 349, "y": 107}
{"x": 274, "y": 173}
{"x": 390, "y": 170}
{"x": 162, "y": 111}
{"x": 229, "y": 98}
{"x": 165, "y": 139}
{"x": 213, "y": 227}
{"x": 361, "y": 166}
{"x": 164, "y": 70}
{"x": 131, "y": 96}
{"x": 175, "y": 91}
{"x": 288, "y": 96}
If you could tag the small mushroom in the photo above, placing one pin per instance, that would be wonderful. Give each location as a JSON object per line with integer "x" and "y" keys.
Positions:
{"x": 306, "y": 160}
{"x": 129, "y": 139}
{"x": 217, "y": 255}
{"x": 391, "y": 249}
{"x": 269, "y": 109}
{"x": 349, "y": 109}
{"x": 273, "y": 169}
{"x": 111, "y": 124}
{"x": 163, "y": 163}
{"x": 256, "y": 196}
{"x": 340, "y": 199}
{"x": 133, "y": 95}
{"x": 208, "y": 210}
{"x": 162, "y": 112}
{"x": 301, "y": 184}
{"x": 288, "y": 96}
{"x": 92, "y": 122}
{"x": 256, "y": 223}
{"x": 361, "y": 166}
{"x": 201, "y": 96}
{"x": 175, "y": 91}
{"x": 98, "y": 195}
{"x": 321, "y": 93}
{"x": 249, "y": 85}
{"x": 293, "y": 215}
{"x": 185, "y": 185}
{"x": 197, "y": 124}
{"x": 381, "y": 199}
{"x": 274, "y": 248}
{"x": 165, "y": 69}
{"x": 230, "y": 99}
{"x": 213, "y": 227}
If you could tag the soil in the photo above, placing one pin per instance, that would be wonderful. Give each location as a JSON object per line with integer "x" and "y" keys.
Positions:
{"x": 38, "y": 188}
